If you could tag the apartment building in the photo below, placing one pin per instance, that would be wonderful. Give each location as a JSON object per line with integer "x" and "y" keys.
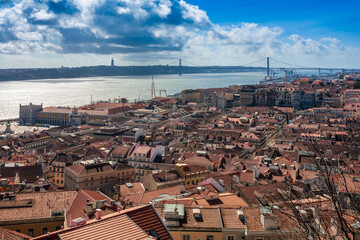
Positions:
{"x": 98, "y": 174}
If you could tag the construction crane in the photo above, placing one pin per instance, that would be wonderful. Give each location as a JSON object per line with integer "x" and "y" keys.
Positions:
{"x": 153, "y": 93}
{"x": 163, "y": 90}
{"x": 139, "y": 96}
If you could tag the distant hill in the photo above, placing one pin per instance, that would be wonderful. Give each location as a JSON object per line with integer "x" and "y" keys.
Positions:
{"x": 95, "y": 71}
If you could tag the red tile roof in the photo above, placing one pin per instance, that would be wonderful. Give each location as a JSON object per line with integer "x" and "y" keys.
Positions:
{"x": 77, "y": 208}
{"x": 120, "y": 227}
{"x": 147, "y": 218}
{"x": 6, "y": 234}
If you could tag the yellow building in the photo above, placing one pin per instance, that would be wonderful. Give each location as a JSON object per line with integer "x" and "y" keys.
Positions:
{"x": 98, "y": 174}
{"x": 191, "y": 173}
{"x": 190, "y": 96}
{"x": 56, "y": 167}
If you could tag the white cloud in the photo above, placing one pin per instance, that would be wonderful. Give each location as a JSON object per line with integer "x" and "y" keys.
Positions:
{"x": 154, "y": 29}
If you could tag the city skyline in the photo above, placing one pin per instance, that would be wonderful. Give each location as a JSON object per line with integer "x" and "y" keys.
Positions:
{"x": 83, "y": 33}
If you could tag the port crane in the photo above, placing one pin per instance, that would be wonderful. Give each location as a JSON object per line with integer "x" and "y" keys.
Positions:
{"x": 153, "y": 92}
{"x": 163, "y": 90}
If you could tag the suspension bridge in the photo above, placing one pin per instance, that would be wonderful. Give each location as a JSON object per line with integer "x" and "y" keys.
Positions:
{"x": 264, "y": 65}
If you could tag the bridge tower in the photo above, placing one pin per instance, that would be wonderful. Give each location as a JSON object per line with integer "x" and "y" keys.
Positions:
{"x": 268, "y": 68}
{"x": 180, "y": 70}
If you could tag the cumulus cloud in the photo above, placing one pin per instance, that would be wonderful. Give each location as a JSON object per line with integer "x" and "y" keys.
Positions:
{"x": 98, "y": 26}
{"x": 152, "y": 28}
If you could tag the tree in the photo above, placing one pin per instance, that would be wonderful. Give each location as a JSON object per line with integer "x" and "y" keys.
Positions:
{"x": 333, "y": 212}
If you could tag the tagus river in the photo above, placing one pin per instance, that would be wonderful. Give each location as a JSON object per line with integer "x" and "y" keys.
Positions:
{"x": 78, "y": 91}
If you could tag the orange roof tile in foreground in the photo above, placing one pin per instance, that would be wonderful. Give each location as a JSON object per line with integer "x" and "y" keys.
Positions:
{"x": 6, "y": 234}
{"x": 120, "y": 227}
{"x": 144, "y": 217}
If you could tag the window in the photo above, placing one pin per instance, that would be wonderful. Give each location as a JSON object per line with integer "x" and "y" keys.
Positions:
{"x": 45, "y": 230}
{"x": 259, "y": 239}
{"x": 154, "y": 233}
{"x": 185, "y": 237}
{"x": 31, "y": 232}
{"x": 209, "y": 237}
{"x": 18, "y": 230}
{"x": 57, "y": 228}
{"x": 230, "y": 237}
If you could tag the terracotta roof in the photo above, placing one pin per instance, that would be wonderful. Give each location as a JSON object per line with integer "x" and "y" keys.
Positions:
{"x": 28, "y": 173}
{"x": 230, "y": 218}
{"x": 147, "y": 219}
{"x": 133, "y": 199}
{"x": 6, "y": 234}
{"x": 77, "y": 208}
{"x": 127, "y": 224}
{"x": 255, "y": 195}
{"x": 135, "y": 188}
{"x": 42, "y": 204}
{"x": 252, "y": 216}
{"x": 141, "y": 150}
{"x": 225, "y": 199}
{"x": 120, "y": 227}
{"x": 119, "y": 150}
{"x": 150, "y": 195}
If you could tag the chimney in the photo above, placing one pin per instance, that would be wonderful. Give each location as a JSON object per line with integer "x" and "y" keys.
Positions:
{"x": 235, "y": 179}
{"x": 255, "y": 173}
{"x": 98, "y": 214}
{"x": 268, "y": 219}
{"x": 222, "y": 182}
{"x": 88, "y": 207}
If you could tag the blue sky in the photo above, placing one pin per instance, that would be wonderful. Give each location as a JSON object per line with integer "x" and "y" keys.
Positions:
{"x": 311, "y": 19}
{"x": 53, "y": 33}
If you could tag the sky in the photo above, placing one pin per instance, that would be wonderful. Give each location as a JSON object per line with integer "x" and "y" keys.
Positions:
{"x": 72, "y": 33}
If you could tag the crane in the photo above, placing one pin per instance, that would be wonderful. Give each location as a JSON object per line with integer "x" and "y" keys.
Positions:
{"x": 163, "y": 90}
{"x": 153, "y": 92}
{"x": 139, "y": 96}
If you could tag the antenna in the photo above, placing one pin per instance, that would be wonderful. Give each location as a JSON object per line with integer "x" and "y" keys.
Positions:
{"x": 139, "y": 96}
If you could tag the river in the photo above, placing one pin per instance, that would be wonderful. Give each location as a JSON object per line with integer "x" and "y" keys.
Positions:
{"x": 78, "y": 91}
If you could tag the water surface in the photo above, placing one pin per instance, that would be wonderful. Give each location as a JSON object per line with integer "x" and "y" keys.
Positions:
{"x": 78, "y": 91}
